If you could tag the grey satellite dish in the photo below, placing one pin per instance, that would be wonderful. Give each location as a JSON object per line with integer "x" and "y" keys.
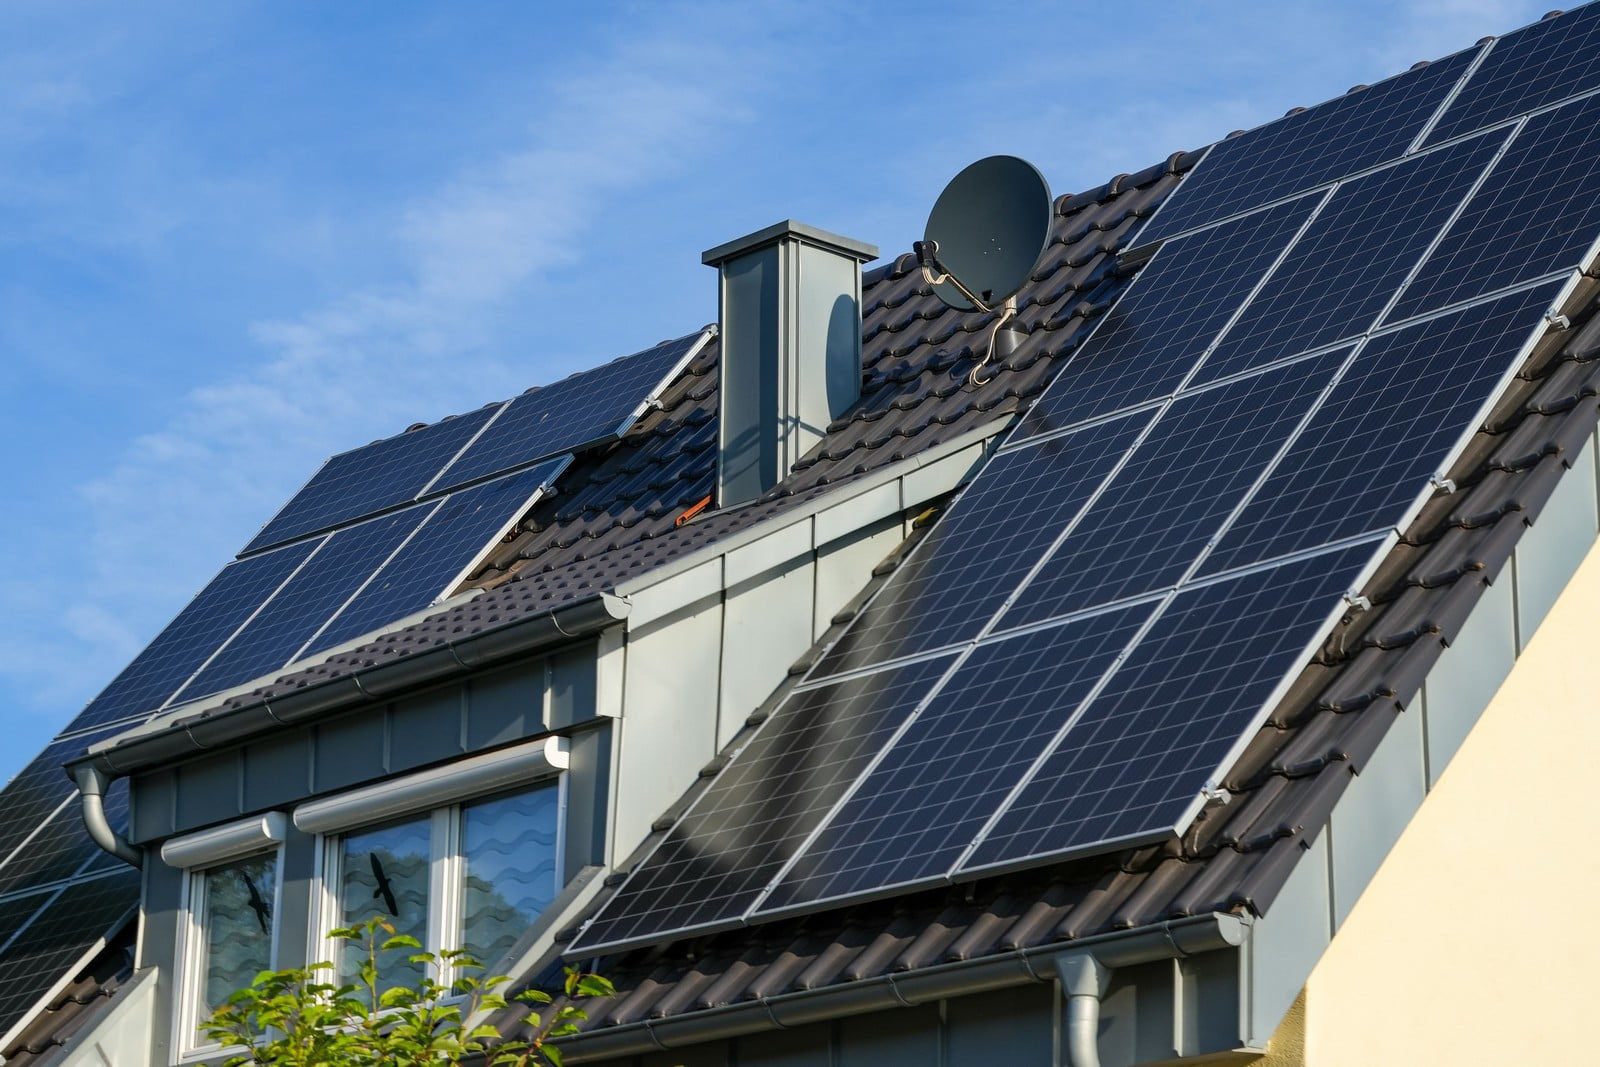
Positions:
{"x": 985, "y": 233}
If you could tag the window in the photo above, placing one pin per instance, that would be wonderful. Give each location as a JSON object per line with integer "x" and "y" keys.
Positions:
{"x": 231, "y": 888}
{"x": 474, "y": 876}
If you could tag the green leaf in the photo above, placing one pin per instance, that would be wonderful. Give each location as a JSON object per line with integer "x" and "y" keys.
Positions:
{"x": 401, "y": 941}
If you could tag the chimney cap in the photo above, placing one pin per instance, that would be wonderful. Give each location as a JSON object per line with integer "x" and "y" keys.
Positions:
{"x": 789, "y": 228}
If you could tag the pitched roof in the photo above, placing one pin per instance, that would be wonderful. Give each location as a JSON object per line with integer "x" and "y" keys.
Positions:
{"x": 1237, "y": 856}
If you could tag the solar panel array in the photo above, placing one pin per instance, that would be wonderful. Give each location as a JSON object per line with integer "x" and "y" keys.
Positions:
{"x": 379, "y": 533}
{"x": 1082, "y": 646}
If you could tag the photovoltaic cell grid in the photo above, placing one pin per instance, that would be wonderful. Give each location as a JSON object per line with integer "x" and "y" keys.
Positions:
{"x": 1132, "y": 762}
{"x": 374, "y": 478}
{"x": 1130, "y": 768}
{"x": 975, "y": 556}
{"x": 1549, "y": 61}
{"x": 1310, "y": 148}
{"x": 56, "y": 934}
{"x": 1385, "y": 429}
{"x": 1345, "y": 268}
{"x": 1536, "y": 214}
{"x": 1156, "y": 333}
{"x": 914, "y": 815}
{"x": 1160, "y": 510}
{"x": 454, "y": 537}
{"x": 737, "y": 836}
{"x": 581, "y": 410}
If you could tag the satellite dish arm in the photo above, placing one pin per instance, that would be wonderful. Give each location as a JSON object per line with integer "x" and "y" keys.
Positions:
{"x": 927, "y": 253}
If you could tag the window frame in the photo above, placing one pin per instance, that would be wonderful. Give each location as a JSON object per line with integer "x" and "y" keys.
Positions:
{"x": 446, "y": 864}
{"x": 194, "y": 908}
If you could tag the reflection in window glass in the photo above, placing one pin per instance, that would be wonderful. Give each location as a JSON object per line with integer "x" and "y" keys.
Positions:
{"x": 236, "y": 941}
{"x": 384, "y": 872}
{"x": 508, "y": 854}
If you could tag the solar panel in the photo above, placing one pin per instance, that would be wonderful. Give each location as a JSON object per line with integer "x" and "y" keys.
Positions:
{"x": 1540, "y": 64}
{"x": 188, "y": 640}
{"x": 915, "y": 813}
{"x": 57, "y": 936}
{"x": 736, "y": 837}
{"x": 1158, "y": 331}
{"x": 1348, "y": 134}
{"x": 455, "y": 535}
{"x": 1130, "y": 768}
{"x": 344, "y": 562}
{"x": 581, "y": 410}
{"x": 1346, "y": 267}
{"x": 1389, "y": 424}
{"x": 385, "y": 474}
{"x": 61, "y": 847}
{"x": 955, "y": 581}
{"x": 31, "y": 797}
{"x": 1157, "y": 514}
{"x": 1537, "y": 213}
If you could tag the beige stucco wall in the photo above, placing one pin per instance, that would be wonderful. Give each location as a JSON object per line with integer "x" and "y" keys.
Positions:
{"x": 1477, "y": 943}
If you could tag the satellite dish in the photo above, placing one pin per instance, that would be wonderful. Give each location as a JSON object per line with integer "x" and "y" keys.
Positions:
{"x": 987, "y": 230}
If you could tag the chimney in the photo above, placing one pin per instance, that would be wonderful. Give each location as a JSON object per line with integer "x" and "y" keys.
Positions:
{"x": 790, "y": 307}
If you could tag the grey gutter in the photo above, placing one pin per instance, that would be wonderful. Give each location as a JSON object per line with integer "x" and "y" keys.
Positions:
{"x": 1174, "y": 939}
{"x": 221, "y": 725}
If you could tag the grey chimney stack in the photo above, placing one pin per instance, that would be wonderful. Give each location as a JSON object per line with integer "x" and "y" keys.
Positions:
{"x": 790, "y": 309}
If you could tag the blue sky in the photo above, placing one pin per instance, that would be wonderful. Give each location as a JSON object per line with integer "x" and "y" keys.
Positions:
{"x": 237, "y": 237}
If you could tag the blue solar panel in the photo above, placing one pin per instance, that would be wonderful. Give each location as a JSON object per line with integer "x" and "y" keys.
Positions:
{"x": 370, "y": 479}
{"x": 1346, "y": 267}
{"x": 1367, "y": 454}
{"x": 346, "y": 560}
{"x": 917, "y": 811}
{"x": 450, "y": 540}
{"x": 1538, "y": 65}
{"x": 1537, "y": 213}
{"x": 1161, "y": 327}
{"x": 1131, "y": 767}
{"x": 737, "y": 836}
{"x": 1341, "y": 137}
{"x": 586, "y": 408}
{"x": 955, "y": 581}
{"x": 199, "y": 630}
{"x": 1158, "y": 512}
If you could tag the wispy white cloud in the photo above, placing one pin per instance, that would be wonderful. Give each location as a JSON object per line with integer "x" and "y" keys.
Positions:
{"x": 169, "y": 508}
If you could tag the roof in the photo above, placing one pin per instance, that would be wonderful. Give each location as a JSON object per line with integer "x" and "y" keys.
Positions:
{"x": 1237, "y": 856}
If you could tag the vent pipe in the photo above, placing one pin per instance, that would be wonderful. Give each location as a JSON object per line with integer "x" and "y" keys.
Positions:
{"x": 790, "y": 310}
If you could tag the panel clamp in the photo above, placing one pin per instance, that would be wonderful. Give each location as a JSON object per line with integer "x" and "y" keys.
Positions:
{"x": 1357, "y": 603}
{"x": 1215, "y": 794}
{"x": 1558, "y": 322}
{"x": 1444, "y": 485}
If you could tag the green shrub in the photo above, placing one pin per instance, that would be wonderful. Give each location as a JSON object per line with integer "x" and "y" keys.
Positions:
{"x": 300, "y": 1018}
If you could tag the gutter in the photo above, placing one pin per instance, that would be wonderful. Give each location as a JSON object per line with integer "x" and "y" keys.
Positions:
{"x": 1096, "y": 956}
{"x": 222, "y": 725}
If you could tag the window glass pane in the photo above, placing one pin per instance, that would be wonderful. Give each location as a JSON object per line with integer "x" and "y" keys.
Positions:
{"x": 236, "y": 936}
{"x": 508, "y": 848}
{"x": 384, "y": 872}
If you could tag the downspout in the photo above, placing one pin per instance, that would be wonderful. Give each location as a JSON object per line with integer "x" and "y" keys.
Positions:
{"x": 1084, "y": 981}
{"x": 92, "y": 785}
